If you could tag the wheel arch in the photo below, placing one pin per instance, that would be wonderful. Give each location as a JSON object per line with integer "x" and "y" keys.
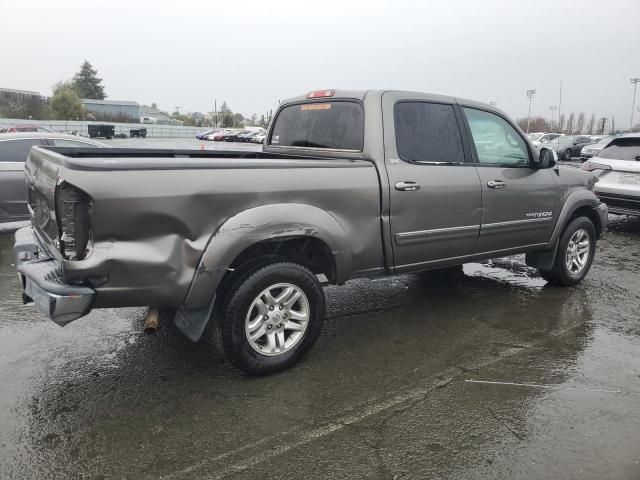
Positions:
{"x": 270, "y": 227}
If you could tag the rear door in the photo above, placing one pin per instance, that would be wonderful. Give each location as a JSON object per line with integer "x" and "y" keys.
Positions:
{"x": 435, "y": 200}
{"x": 519, "y": 203}
{"x": 13, "y": 190}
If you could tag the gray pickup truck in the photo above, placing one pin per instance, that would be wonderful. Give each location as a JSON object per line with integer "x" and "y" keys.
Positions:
{"x": 349, "y": 184}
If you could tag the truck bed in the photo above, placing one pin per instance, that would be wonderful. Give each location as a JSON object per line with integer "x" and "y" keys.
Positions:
{"x": 153, "y": 212}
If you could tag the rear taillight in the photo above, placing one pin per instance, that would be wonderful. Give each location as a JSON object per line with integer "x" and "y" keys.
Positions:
{"x": 590, "y": 166}
{"x": 73, "y": 208}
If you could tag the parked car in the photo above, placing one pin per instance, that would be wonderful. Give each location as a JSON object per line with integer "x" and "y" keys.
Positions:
{"x": 617, "y": 166}
{"x": 568, "y": 146}
{"x": 201, "y": 136}
{"x": 14, "y": 149}
{"x": 233, "y": 136}
{"x": 591, "y": 149}
{"x": 547, "y": 137}
{"x": 219, "y": 136}
{"x": 138, "y": 132}
{"x": 24, "y": 129}
{"x": 329, "y": 194}
{"x": 259, "y": 138}
{"x": 246, "y": 136}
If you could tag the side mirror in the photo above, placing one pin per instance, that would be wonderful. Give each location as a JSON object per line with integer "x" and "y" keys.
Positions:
{"x": 547, "y": 158}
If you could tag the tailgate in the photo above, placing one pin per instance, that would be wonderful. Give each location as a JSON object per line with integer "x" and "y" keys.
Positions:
{"x": 41, "y": 170}
{"x": 59, "y": 211}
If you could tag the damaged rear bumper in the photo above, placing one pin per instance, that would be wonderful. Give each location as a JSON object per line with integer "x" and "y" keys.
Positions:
{"x": 43, "y": 282}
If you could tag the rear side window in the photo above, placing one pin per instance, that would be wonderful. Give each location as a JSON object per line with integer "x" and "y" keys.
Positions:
{"x": 427, "y": 132}
{"x": 622, "y": 149}
{"x": 17, "y": 150}
{"x": 336, "y": 125}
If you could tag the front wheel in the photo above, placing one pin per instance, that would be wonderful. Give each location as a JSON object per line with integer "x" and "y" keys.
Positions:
{"x": 567, "y": 154}
{"x": 576, "y": 249}
{"x": 272, "y": 318}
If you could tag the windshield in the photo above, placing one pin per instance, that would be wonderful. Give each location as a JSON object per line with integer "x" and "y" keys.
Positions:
{"x": 534, "y": 136}
{"x": 622, "y": 149}
{"x": 603, "y": 141}
{"x": 336, "y": 125}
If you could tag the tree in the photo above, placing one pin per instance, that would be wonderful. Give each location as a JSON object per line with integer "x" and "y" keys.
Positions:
{"x": 87, "y": 84}
{"x": 570, "y": 123}
{"x": 561, "y": 123}
{"x": 66, "y": 104}
{"x": 536, "y": 124}
{"x": 580, "y": 123}
{"x": 591, "y": 124}
{"x": 613, "y": 125}
{"x": 154, "y": 105}
{"x": 602, "y": 125}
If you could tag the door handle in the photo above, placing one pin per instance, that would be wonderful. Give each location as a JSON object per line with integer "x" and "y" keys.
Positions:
{"x": 407, "y": 186}
{"x": 496, "y": 184}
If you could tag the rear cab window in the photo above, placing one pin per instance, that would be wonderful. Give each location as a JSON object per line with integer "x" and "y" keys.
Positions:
{"x": 337, "y": 125}
{"x": 17, "y": 150}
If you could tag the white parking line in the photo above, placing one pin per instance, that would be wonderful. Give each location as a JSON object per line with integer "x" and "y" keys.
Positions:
{"x": 538, "y": 385}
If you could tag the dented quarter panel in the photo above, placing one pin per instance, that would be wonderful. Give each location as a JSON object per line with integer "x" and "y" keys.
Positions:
{"x": 151, "y": 226}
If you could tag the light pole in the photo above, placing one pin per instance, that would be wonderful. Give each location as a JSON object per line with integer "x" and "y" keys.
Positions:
{"x": 553, "y": 108}
{"x": 530, "y": 95}
{"x": 633, "y": 104}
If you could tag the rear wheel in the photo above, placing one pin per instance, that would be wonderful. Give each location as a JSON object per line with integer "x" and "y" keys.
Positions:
{"x": 576, "y": 249}
{"x": 567, "y": 154}
{"x": 272, "y": 318}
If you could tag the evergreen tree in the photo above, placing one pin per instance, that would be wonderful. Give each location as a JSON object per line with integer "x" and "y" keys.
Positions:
{"x": 87, "y": 84}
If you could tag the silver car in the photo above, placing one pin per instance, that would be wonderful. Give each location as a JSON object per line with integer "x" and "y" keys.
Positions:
{"x": 14, "y": 149}
{"x": 618, "y": 168}
{"x": 592, "y": 149}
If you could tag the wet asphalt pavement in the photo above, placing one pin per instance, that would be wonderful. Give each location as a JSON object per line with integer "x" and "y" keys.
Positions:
{"x": 390, "y": 390}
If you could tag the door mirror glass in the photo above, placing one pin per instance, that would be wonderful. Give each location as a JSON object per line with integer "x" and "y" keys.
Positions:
{"x": 547, "y": 158}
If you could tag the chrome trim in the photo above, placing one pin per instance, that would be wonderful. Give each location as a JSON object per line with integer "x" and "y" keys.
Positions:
{"x": 436, "y": 234}
{"x": 514, "y": 225}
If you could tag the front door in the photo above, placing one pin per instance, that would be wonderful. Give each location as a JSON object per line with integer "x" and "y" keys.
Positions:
{"x": 520, "y": 204}
{"x": 435, "y": 198}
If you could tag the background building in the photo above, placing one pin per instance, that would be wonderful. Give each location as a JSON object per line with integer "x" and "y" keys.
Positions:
{"x": 112, "y": 110}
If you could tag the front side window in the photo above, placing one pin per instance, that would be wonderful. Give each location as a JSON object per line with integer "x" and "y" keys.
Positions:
{"x": 17, "y": 150}
{"x": 427, "y": 132}
{"x": 496, "y": 141}
{"x": 334, "y": 125}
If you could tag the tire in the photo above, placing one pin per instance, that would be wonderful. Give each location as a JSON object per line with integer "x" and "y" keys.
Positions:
{"x": 249, "y": 311}
{"x": 561, "y": 273}
{"x": 567, "y": 155}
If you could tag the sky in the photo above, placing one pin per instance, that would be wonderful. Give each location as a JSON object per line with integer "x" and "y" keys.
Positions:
{"x": 251, "y": 54}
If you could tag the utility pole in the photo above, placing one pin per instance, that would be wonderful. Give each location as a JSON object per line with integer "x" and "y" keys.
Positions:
{"x": 635, "y": 82}
{"x": 553, "y": 108}
{"x": 215, "y": 111}
{"x": 530, "y": 95}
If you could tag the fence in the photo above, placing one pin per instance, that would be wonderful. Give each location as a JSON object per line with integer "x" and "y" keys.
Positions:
{"x": 81, "y": 127}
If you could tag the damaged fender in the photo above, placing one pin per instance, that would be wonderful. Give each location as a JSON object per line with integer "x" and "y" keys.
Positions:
{"x": 268, "y": 222}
